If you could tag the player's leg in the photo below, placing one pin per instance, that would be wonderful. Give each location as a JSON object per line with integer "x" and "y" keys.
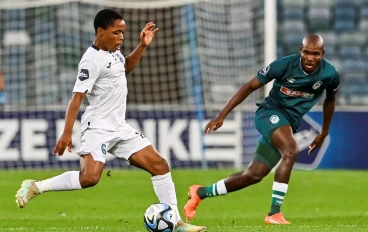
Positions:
{"x": 265, "y": 158}
{"x": 284, "y": 140}
{"x": 88, "y": 176}
{"x": 140, "y": 153}
{"x": 149, "y": 160}
{"x": 91, "y": 167}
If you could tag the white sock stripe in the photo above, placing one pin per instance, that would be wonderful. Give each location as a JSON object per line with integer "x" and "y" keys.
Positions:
{"x": 281, "y": 187}
{"x": 278, "y": 196}
{"x": 221, "y": 188}
{"x": 213, "y": 190}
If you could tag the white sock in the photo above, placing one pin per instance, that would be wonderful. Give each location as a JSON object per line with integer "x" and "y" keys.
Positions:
{"x": 165, "y": 191}
{"x": 221, "y": 188}
{"x": 66, "y": 181}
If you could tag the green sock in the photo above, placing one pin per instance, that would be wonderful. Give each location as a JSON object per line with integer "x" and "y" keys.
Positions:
{"x": 213, "y": 190}
{"x": 278, "y": 194}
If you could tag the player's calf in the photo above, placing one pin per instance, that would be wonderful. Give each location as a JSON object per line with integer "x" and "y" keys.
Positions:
{"x": 27, "y": 191}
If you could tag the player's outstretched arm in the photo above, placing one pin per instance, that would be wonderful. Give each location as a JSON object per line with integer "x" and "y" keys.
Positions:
{"x": 328, "y": 111}
{"x": 70, "y": 117}
{"x": 235, "y": 100}
{"x": 146, "y": 37}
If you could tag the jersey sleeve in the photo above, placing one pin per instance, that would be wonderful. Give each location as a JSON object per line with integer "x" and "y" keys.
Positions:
{"x": 334, "y": 83}
{"x": 272, "y": 71}
{"x": 88, "y": 72}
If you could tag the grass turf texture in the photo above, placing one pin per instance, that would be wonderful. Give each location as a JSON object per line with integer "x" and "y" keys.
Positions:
{"x": 316, "y": 201}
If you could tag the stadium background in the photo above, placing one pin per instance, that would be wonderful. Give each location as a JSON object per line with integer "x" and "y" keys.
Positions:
{"x": 202, "y": 54}
{"x": 205, "y": 50}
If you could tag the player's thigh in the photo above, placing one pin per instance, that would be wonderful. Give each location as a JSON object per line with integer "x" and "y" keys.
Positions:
{"x": 90, "y": 168}
{"x": 283, "y": 139}
{"x": 97, "y": 142}
{"x": 149, "y": 160}
{"x": 138, "y": 151}
{"x": 268, "y": 121}
{"x": 267, "y": 155}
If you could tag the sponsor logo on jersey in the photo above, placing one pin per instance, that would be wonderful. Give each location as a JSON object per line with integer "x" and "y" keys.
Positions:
{"x": 274, "y": 119}
{"x": 293, "y": 93}
{"x": 317, "y": 84}
{"x": 83, "y": 74}
{"x": 103, "y": 148}
{"x": 265, "y": 70}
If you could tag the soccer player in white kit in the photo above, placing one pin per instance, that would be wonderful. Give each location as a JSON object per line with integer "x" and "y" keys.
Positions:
{"x": 102, "y": 78}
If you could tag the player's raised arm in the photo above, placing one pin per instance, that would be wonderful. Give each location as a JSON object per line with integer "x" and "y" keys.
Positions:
{"x": 146, "y": 37}
{"x": 242, "y": 93}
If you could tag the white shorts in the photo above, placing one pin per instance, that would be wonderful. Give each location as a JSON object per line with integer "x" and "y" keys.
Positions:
{"x": 121, "y": 144}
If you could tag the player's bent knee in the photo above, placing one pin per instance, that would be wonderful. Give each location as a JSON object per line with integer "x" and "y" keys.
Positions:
{"x": 160, "y": 167}
{"x": 290, "y": 155}
{"x": 90, "y": 180}
{"x": 253, "y": 177}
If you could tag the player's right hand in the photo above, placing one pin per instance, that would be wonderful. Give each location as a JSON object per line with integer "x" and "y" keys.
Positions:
{"x": 213, "y": 125}
{"x": 63, "y": 142}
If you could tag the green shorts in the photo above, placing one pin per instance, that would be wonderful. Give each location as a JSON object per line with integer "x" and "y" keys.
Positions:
{"x": 268, "y": 120}
{"x": 266, "y": 153}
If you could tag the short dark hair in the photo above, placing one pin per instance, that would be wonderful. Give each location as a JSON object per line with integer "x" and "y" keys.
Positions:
{"x": 106, "y": 18}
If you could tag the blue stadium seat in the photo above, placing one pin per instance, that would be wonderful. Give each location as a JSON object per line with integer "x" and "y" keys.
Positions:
{"x": 363, "y": 26}
{"x": 320, "y": 3}
{"x": 293, "y": 14}
{"x": 353, "y": 66}
{"x": 319, "y": 13}
{"x": 293, "y": 3}
{"x": 364, "y": 3}
{"x": 344, "y": 26}
{"x": 294, "y": 27}
{"x": 330, "y": 52}
{"x": 329, "y": 37}
{"x": 353, "y": 52}
{"x": 354, "y": 77}
{"x": 345, "y": 13}
{"x": 347, "y": 3}
{"x": 352, "y": 39}
{"x": 364, "y": 13}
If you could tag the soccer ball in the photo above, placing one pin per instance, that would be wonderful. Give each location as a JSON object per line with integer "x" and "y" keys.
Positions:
{"x": 160, "y": 218}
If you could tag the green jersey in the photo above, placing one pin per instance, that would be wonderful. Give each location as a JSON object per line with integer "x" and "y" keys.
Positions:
{"x": 295, "y": 92}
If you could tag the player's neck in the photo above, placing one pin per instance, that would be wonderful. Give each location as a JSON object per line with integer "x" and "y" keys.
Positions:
{"x": 99, "y": 44}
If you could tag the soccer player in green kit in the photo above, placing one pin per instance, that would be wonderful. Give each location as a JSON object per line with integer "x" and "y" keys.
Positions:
{"x": 299, "y": 82}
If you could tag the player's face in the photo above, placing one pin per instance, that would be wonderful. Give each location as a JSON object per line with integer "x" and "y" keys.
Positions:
{"x": 311, "y": 57}
{"x": 113, "y": 36}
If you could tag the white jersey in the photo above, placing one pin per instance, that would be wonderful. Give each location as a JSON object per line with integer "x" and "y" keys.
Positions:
{"x": 102, "y": 75}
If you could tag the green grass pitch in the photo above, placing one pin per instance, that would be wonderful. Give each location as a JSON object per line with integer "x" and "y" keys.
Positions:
{"x": 317, "y": 201}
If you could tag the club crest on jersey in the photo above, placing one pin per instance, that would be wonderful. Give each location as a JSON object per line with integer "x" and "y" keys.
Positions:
{"x": 265, "y": 70}
{"x": 274, "y": 119}
{"x": 83, "y": 74}
{"x": 317, "y": 84}
{"x": 103, "y": 148}
{"x": 293, "y": 93}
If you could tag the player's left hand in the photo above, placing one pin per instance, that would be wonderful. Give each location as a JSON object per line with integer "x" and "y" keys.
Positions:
{"x": 317, "y": 142}
{"x": 147, "y": 34}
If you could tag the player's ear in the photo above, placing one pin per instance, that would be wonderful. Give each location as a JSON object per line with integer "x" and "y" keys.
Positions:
{"x": 99, "y": 32}
{"x": 300, "y": 49}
